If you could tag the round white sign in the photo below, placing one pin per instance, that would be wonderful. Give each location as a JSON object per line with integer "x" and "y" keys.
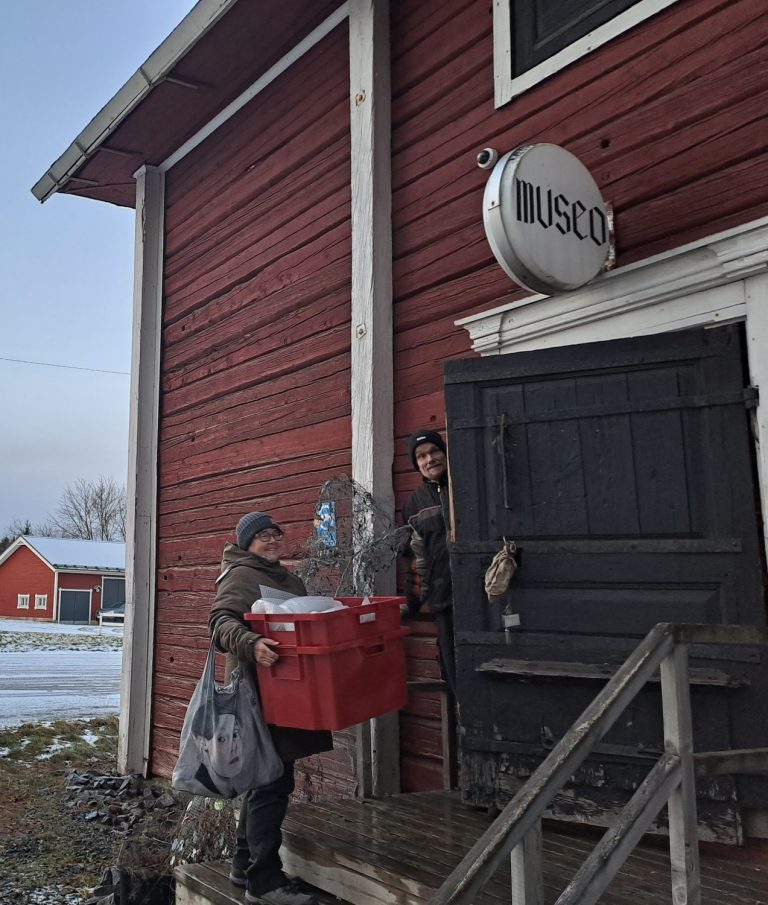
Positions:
{"x": 545, "y": 219}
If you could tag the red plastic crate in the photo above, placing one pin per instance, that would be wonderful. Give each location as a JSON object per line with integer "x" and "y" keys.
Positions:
{"x": 335, "y": 669}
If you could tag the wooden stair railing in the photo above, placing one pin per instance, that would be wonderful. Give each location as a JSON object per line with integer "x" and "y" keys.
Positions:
{"x": 516, "y": 832}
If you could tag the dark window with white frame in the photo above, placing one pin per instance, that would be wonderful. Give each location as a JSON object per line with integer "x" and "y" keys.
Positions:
{"x": 533, "y": 39}
{"x": 22, "y": 601}
{"x": 41, "y": 601}
{"x": 112, "y": 591}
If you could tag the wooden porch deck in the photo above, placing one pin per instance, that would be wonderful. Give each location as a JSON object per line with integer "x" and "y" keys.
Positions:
{"x": 399, "y": 850}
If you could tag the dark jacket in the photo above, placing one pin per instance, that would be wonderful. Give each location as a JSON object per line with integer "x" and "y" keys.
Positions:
{"x": 427, "y": 512}
{"x": 237, "y": 588}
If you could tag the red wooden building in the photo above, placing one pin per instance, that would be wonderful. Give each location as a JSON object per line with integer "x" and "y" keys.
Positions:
{"x": 310, "y": 252}
{"x": 60, "y": 580}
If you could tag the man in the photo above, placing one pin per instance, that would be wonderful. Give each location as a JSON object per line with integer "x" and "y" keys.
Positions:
{"x": 247, "y": 566}
{"x": 427, "y": 512}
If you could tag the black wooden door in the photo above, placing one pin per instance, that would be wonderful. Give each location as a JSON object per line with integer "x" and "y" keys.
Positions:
{"x": 624, "y": 471}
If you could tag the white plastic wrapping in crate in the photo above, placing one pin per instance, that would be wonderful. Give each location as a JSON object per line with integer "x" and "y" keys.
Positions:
{"x": 272, "y": 606}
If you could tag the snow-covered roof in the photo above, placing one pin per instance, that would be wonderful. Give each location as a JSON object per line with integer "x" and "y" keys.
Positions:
{"x": 63, "y": 553}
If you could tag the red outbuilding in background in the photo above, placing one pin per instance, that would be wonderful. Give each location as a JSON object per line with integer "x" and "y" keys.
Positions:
{"x": 61, "y": 580}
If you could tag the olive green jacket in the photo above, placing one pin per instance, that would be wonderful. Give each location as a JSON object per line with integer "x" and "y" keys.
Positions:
{"x": 237, "y": 588}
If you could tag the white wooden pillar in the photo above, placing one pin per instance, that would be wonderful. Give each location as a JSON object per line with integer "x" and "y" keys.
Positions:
{"x": 678, "y": 739}
{"x": 371, "y": 352}
{"x": 141, "y": 531}
{"x": 527, "y": 875}
{"x": 756, "y": 293}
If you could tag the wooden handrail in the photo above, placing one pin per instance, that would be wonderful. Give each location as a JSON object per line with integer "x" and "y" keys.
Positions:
{"x": 516, "y": 829}
{"x": 527, "y": 807}
{"x": 592, "y": 877}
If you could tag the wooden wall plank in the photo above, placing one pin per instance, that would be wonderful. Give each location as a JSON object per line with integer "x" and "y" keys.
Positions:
{"x": 255, "y": 400}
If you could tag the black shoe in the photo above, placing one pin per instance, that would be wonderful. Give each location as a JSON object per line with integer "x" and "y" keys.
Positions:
{"x": 237, "y": 876}
{"x": 289, "y": 894}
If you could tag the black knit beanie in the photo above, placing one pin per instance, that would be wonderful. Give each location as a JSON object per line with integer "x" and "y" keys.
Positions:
{"x": 423, "y": 436}
{"x": 250, "y": 525}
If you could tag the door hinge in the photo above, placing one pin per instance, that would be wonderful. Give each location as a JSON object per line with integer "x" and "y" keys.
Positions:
{"x": 751, "y": 397}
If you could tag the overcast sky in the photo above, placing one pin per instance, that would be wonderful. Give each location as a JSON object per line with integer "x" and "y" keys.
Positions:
{"x": 66, "y": 265}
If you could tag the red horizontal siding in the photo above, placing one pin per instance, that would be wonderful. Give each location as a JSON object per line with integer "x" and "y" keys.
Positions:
{"x": 670, "y": 117}
{"x": 25, "y": 573}
{"x": 255, "y": 396}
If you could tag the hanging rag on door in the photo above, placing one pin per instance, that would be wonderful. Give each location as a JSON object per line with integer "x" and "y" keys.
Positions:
{"x": 500, "y": 571}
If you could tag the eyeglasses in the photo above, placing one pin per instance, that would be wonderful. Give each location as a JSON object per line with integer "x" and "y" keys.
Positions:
{"x": 268, "y": 534}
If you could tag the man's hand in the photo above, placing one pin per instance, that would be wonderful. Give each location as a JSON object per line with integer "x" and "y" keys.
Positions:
{"x": 265, "y": 655}
{"x": 412, "y": 606}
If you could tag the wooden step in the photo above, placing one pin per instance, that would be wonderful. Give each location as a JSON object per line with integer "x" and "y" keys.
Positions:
{"x": 208, "y": 884}
{"x": 399, "y": 850}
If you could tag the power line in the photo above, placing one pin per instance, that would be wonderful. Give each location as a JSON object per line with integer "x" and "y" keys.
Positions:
{"x": 49, "y": 364}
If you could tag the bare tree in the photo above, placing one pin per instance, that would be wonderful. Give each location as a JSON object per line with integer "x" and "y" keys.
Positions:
{"x": 17, "y": 528}
{"x": 91, "y": 510}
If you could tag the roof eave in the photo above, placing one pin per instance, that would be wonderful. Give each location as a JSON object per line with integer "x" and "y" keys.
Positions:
{"x": 90, "y": 570}
{"x": 174, "y": 48}
{"x": 21, "y": 541}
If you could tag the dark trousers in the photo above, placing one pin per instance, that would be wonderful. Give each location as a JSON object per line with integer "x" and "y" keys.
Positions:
{"x": 446, "y": 648}
{"x": 259, "y": 834}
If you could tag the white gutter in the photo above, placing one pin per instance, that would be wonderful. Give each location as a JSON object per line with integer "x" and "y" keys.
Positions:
{"x": 181, "y": 40}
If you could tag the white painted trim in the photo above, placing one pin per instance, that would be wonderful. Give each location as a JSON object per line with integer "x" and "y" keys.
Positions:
{"x": 104, "y": 578}
{"x": 305, "y": 45}
{"x": 757, "y": 356}
{"x": 507, "y": 88}
{"x": 19, "y": 598}
{"x": 672, "y": 290}
{"x": 372, "y": 419}
{"x": 371, "y": 216}
{"x": 141, "y": 520}
{"x": 23, "y": 542}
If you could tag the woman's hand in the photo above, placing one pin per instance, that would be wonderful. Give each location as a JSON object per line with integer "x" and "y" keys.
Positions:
{"x": 265, "y": 655}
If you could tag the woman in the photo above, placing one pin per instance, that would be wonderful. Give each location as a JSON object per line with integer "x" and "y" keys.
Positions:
{"x": 247, "y": 566}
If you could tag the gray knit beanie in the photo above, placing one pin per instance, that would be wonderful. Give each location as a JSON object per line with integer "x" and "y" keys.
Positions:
{"x": 250, "y": 525}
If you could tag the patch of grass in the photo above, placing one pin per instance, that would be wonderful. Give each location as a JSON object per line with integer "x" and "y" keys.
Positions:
{"x": 60, "y": 742}
{"x": 41, "y": 844}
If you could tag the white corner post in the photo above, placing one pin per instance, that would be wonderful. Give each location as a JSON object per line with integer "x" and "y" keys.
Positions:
{"x": 378, "y": 743}
{"x": 141, "y": 525}
{"x": 757, "y": 353}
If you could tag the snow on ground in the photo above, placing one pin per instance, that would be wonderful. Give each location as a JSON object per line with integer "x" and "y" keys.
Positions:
{"x": 22, "y": 634}
{"x": 58, "y": 672}
{"x": 58, "y": 628}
